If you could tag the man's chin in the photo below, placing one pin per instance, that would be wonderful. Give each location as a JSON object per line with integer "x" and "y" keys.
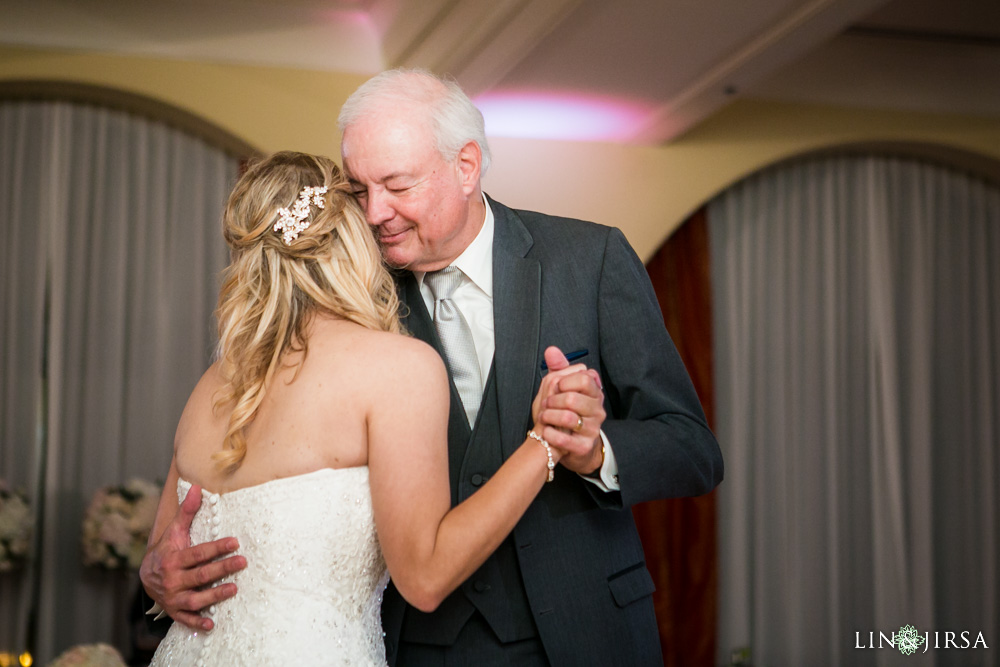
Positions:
{"x": 394, "y": 258}
{"x": 399, "y": 256}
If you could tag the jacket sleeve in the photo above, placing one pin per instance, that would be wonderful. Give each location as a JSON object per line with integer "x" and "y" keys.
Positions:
{"x": 655, "y": 423}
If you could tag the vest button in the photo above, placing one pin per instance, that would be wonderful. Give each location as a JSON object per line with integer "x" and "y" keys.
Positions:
{"x": 478, "y": 480}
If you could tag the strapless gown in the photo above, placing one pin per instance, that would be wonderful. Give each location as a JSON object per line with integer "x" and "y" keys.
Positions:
{"x": 312, "y": 588}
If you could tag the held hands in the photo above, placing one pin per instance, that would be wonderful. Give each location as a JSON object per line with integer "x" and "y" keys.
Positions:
{"x": 570, "y": 409}
{"x": 178, "y": 576}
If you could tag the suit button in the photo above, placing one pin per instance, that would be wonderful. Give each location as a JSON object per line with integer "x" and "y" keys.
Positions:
{"x": 481, "y": 586}
{"x": 478, "y": 480}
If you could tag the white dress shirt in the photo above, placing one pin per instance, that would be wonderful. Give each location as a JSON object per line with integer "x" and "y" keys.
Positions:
{"x": 474, "y": 298}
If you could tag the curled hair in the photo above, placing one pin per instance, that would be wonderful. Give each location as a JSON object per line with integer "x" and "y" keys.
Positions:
{"x": 271, "y": 289}
{"x": 454, "y": 119}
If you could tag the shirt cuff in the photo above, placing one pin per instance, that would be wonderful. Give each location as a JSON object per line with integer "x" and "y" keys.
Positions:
{"x": 608, "y": 479}
{"x": 156, "y": 609}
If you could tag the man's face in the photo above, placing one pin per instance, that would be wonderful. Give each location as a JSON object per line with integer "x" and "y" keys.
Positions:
{"x": 419, "y": 204}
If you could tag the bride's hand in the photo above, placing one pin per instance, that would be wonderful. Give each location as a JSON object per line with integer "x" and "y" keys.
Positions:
{"x": 176, "y": 575}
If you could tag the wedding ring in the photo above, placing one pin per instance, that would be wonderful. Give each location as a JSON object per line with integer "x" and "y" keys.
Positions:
{"x": 579, "y": 423}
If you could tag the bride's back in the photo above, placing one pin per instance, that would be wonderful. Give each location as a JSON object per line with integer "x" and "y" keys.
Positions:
{"x": 312, "y": 415}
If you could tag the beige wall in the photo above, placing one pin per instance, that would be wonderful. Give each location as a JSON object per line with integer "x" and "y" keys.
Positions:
{"x": 646, "y": 191}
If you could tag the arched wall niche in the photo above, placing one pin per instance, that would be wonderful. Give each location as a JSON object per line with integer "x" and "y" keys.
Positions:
{"x": 134, "y": 103}
{"x": 975, "y": 164}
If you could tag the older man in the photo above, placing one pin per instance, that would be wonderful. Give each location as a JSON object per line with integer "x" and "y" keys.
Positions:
{"x": 570, "y": 586}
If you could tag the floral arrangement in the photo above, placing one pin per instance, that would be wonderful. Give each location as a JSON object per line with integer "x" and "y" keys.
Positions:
{"x": 15, "y": 528}
{"x": 89, "y": 655}
{"x": 117, "y": 525}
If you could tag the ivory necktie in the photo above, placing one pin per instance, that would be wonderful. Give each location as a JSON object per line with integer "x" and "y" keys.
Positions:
{"x": 456, "y": 337}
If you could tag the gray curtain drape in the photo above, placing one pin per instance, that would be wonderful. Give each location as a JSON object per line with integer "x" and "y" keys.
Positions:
{"x": 111, "y": 255}
{"x": 857, "y": 322}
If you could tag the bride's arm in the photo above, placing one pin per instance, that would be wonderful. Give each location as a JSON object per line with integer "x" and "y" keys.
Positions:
{"x": 430, "y": 550}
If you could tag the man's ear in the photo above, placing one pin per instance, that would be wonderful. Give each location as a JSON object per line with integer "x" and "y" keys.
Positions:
{"x": 470, "y": 162}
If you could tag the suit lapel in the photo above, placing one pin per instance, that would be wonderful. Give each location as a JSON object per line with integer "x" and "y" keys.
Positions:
{"x": 516, "y": 321}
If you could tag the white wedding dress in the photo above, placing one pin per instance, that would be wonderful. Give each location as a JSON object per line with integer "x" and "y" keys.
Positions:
{"x": 312, "y": 588}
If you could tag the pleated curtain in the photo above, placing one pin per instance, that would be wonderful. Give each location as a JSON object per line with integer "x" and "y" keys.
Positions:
{"x": 110, "y": 264}
{"x": 856, "y": 309}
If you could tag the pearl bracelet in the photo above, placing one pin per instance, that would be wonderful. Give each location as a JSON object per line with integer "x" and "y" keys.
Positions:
{"x": 551, "y": 465}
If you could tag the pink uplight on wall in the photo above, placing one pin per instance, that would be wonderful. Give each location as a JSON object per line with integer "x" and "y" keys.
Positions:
{"x": 574, "y": 117}
{"x": 351, "y": 19}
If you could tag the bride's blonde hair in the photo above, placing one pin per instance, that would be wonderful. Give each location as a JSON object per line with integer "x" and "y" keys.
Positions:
{"x": 272, "y": 288}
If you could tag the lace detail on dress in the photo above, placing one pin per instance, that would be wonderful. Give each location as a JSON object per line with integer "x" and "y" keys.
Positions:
{"x": 312, "y": 589}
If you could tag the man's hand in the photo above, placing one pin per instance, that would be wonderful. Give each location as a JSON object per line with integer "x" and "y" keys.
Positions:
{"x": 573, "y": 415}
{"x": 178, "y": 576}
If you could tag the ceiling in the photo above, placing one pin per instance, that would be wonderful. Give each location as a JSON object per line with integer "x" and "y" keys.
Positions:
{"x": 632, "y": 71}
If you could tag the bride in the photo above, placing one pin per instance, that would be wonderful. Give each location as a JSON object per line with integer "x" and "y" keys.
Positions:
{"x": 321, "y": 427}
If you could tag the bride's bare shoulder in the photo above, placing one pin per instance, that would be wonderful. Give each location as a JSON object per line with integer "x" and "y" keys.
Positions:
{"x": 378, "y": 357}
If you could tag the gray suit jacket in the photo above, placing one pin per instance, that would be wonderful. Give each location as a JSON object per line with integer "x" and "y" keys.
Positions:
{"x": 579, "y": 285}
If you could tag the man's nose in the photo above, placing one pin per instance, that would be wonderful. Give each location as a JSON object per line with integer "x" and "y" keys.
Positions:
{"x": 378, "y": 209}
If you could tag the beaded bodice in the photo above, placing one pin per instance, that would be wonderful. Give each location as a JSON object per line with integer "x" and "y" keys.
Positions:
{"x": 312, "y": 588}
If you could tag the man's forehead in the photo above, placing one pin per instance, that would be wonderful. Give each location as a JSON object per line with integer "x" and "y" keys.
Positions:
{"x": 385, "y": 167}
{"x": 378, "y": 178}
{"x": 379, "y": 157}
{"x": 387, "y": 125}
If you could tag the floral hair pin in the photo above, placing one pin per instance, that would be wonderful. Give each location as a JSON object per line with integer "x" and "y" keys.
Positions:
{"x": 293, "y": 222}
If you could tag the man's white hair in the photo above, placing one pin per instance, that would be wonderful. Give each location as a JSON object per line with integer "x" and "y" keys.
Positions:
{"x": 454, "y": 119}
